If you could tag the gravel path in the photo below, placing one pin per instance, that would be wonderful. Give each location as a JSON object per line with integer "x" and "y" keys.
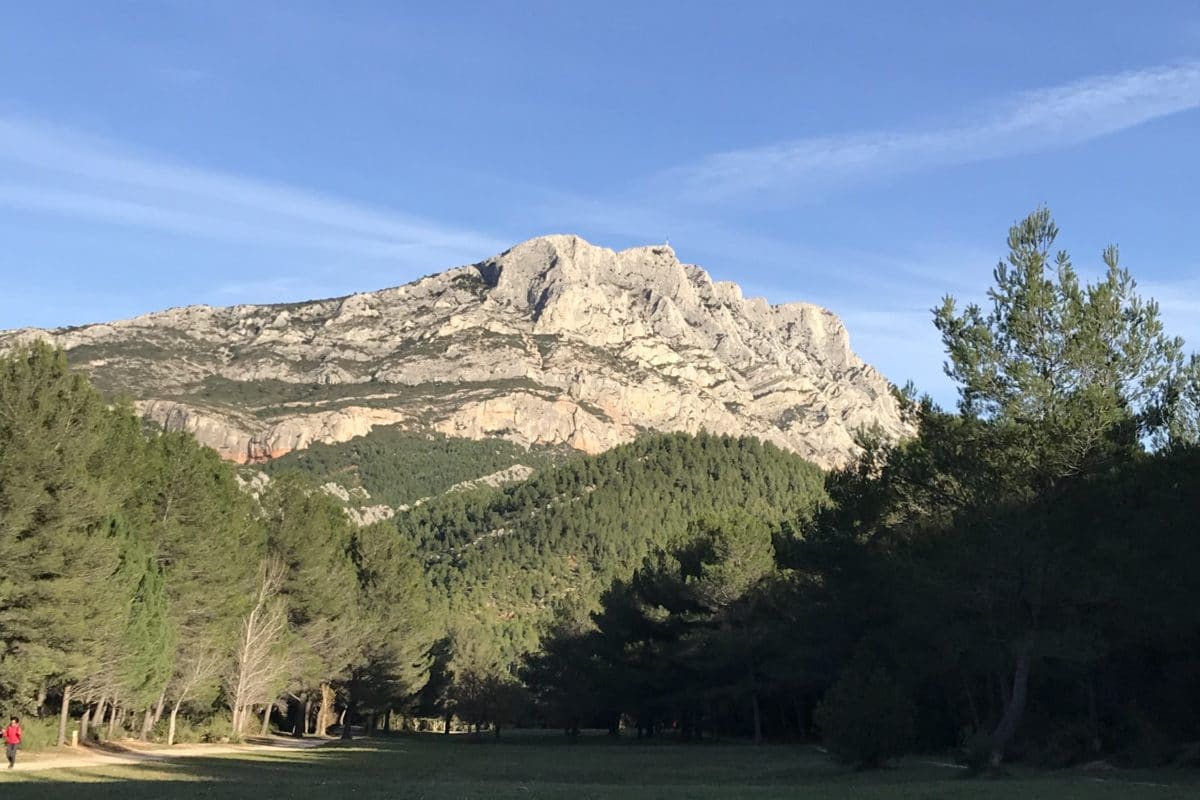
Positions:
{"x": 139, "y": 753}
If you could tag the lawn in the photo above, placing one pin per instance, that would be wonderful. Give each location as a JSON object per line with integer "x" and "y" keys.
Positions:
{"x": 547, "y": 767}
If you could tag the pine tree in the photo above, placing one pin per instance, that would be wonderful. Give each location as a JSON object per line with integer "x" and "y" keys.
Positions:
{"x": 1067, "y": 377}
{"x": 310, "y": 534}
{"x": 392, "y": 660}
{"x": 57, "y": 545}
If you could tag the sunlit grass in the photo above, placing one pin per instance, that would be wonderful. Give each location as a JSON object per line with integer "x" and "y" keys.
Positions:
{"x": 548, "y": 767}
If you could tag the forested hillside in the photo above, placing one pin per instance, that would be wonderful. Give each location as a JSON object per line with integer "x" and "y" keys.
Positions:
{"x": 144, "y": 583}
{"x": 399, "y": 467}
{"x": 1016, "y": 581}
{"x": 504, "y": 558}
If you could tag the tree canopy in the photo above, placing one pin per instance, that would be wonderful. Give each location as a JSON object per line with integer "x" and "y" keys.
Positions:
{"x": 1015, "y": 581}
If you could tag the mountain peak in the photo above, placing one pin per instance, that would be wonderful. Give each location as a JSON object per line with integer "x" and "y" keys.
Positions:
{"x": 554, "y": 341}
{"x": 567, "y": 258}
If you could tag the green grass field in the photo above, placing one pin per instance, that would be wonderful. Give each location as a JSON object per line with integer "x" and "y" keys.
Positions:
{"x": 546, "y": 767}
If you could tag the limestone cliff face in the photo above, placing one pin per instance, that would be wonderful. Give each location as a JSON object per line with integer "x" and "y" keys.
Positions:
{"x": 554, "y": 341}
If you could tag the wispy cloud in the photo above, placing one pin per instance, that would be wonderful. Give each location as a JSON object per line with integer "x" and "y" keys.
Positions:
{"x": 51, "y": 170}
{"x": 270, "y": 290}
{"x": 1035, "y": 120}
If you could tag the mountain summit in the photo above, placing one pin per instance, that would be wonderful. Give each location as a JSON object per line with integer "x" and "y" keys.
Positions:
{"x": 556, "y": 341}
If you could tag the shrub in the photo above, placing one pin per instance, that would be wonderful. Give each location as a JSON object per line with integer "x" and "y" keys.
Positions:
{"x": 865, "y": 718}
{"x": 187, "y": 731}
{"x": 1066, "y": 746}
{"x": 1189, "y": 755}
{"x": 40, "y": 734}
{"x": 975, "y": 749}
{"x": 1146, "y": 744}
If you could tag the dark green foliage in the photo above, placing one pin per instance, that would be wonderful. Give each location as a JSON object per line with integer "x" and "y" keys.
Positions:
{"x": 146, "y": 636}
{"x": 1059, "y": 382}
{"x": 393, "y": 659}
{"x": 865, "y": 718}
{"x": 136, "y": 571}
{"x": 399, "y": 467}
{"x": 1026, "y": 569}
{"x": 688, "y": 641}
{"x": 62, "y": 488}
{"x": 271, "y": 397}
{"x": 504, "y": 557}
{"x": 563, "y": 675}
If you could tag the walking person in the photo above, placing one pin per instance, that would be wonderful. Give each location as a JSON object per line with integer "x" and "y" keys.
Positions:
{"x": 12, "y": 740}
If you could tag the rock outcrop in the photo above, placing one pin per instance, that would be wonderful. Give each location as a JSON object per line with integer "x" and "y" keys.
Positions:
{"x": 555, "y": 341}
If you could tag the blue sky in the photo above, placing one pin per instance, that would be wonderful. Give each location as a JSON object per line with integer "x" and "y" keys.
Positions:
{"x": 865, "y": 156}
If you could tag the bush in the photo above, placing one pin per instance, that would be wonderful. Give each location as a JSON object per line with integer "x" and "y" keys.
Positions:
{"x": 1146, "y": 744}
{"x": 865, "y": 718}
{"x": 975, "y": 749}
{"x": 1066, "y": 746}
{"x": 187, "y": 731}
{"x": 1188, "y": 755}
{"x": 41, "y": 734}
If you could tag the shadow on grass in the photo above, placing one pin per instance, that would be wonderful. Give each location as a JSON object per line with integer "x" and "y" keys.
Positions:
{"x": 435, "y": 766}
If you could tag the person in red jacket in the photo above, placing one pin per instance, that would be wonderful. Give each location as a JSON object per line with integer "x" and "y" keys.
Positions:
{"x": 12, "y": 738}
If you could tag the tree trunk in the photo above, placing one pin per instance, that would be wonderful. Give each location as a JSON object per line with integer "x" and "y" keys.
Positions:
{"x": 158, "y": 709}
{"x": 64, "y": 714}
{"x": 975, "y": 719}
{"x": 1094, "y": 716}
{"x": 296, "y": 716}
{"x": 325, "y": 712}
{"x": 1015, "y": 708}
{"x": 387, "y": 721}
{"x": 147, "y": 724}
{"x": 754, "y": 706}
{"x": 347, "y": 718}
{"x": 85, "y": 722}
{"x": 112, "y": 720}
{"x": 446, "y": 730}
{"x": 171, "y": 724}
{"x": 496, "y": 728}
{"x": 991, "y": 694}
{"x": 266, "y": 726}
{"x": 307, "y": 715}
{"x": 98, "y": 718}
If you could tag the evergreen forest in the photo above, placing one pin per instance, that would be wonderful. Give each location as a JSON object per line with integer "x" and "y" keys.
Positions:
{"x": 1018, "y": 581}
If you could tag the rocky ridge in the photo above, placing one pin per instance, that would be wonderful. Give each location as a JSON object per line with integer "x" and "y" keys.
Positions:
{"x": 554, "y": 341}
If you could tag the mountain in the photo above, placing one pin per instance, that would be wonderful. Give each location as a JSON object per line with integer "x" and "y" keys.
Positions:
{"x": 554, "y": 342}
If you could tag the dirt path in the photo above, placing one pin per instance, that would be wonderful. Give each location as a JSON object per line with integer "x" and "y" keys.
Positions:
{"x": 139, "y": 753}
